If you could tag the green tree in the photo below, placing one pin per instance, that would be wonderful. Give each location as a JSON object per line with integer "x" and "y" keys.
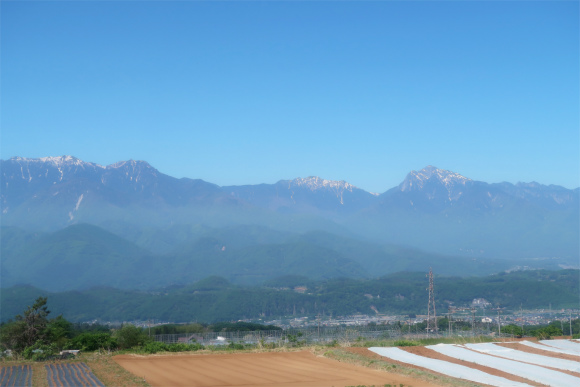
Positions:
{"x": 35, "y": 320}
{"x": 130, "y": 336}
{"x": 9, "y": 336}
{"x": 28, "y": 329}
{"x": 513, "y": 329}
{"x": 59, "y": 331}
{"x": 546, "y": 333}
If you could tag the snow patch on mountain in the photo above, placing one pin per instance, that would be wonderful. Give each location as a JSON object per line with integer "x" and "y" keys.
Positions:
{"x": 79, "y": 202}
{"x": 315, "y": 183}
{"x": 129, "y": 164}
{"x": 134, "y": 169}
{"x": 59, "y": 161}
{"x": 416, "y": 180}
{"x": 71, "y": 214}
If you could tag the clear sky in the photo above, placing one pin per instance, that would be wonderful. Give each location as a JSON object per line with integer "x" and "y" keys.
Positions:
{"x": 254, "y": 92}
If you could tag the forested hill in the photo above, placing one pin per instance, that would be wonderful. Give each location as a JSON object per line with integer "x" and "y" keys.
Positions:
{"x": 84, "y": 256}
{"x": 216, "y": 299}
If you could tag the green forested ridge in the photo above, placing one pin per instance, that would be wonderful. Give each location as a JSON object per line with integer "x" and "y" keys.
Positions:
{"x": 83, "y": 256}
{"x": 216, "y": 299}
{"x": 75, "y": 257}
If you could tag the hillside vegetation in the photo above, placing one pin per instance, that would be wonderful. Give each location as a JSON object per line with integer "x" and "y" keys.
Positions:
{"x": 217, "y": 299}
{"x": 84, "y": 256}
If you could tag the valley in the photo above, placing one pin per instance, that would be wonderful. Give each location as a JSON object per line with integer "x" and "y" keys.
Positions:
{"x": 126, "y": 242}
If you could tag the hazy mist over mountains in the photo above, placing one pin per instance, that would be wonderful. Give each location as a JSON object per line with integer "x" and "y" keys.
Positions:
{"x": 91, "y": 225}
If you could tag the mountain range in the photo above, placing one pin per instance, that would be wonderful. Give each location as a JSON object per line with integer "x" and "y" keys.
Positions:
{"x": 70, "y": 224}
{"x": 432, "y": 209}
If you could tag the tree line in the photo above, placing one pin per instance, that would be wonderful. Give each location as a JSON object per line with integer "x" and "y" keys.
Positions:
{"x": 34, "y": 335}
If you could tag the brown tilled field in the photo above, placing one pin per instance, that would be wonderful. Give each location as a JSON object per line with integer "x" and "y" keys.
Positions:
{"x": 284, "y": 369}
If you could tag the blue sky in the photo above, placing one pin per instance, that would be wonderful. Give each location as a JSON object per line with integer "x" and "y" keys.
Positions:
{"x": 254, "y": 92}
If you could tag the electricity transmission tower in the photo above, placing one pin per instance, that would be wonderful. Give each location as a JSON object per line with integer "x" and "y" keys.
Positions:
{"x": 431, "y": 305}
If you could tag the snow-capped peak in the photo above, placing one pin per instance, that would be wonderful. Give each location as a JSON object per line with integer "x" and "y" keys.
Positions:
{"x": 60, "y": 160}
{"x": 57, "y": 161}
{"x": 315, "y": 183}
{"x": 130, "y": 163}
{"x": 418, "y": 179}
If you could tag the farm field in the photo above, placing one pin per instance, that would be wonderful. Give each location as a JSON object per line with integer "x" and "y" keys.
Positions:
{"x": 516, "y": 363}
{"x": 500, "y": 364}
{"x": 284, "y": 369}
{"x": 17, "y": 376}
{"x": 90, "y": 370}
{"x": 71, "y": 374}
{"x": 52, "y": 375}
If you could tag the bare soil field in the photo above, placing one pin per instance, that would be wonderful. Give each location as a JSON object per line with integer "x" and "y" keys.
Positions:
{"x": 283, "y": 369}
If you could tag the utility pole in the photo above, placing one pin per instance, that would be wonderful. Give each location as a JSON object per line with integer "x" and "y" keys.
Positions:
{"x": 498, "y": 321}
{"x": 450, "y": 314}
{"x": 431, "y": 304}
{"x": 522, "y": 318}
{"x": 450, "y": 331}
{"x": 570, "y": 324}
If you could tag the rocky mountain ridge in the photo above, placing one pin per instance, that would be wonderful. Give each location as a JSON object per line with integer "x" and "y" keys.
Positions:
{"x": 432, "y": 209}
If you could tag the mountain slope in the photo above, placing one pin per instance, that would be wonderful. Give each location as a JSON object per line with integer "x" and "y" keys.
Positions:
{"x": 60, "y": 191}
{"x": 432, "y": 209}
{"x": 312, "y": 194}
{"x": 253, "y": 264}
{"x": 76, "y": 257}
{"x": 445, "y": 212}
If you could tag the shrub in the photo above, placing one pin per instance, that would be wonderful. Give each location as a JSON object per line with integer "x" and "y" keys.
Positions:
{"x": 157, "y": 346}
{"x": 154, "y": 347}
{"x": 39, "y": 351}
{"x": 177, "y": 347}
{"x": 235, "y": 346}
{"x": 92, "y": 341}
{"x": 406, "y": 343}
{"x": 513, "y": 329}
{"x": 546, "y": 333}
{"x": 181, "y": 347}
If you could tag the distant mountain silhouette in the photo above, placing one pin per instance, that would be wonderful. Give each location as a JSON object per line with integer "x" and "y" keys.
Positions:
{"x": 432, "y": 209}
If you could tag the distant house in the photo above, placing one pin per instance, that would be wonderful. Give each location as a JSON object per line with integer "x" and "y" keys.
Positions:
{"x": 480, "y": 303}
{"x": 189, "y": 339}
